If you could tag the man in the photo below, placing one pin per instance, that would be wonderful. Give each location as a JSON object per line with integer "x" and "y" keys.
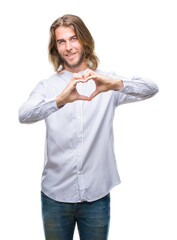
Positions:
{"x": 78, "y": 104}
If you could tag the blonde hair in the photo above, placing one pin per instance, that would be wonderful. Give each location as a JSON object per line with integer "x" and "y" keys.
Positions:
{"x": 83, "y": 35}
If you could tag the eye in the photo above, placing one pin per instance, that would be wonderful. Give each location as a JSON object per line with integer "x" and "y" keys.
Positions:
{"x": 60, "y": 41}
{"x": 74, "y": 38}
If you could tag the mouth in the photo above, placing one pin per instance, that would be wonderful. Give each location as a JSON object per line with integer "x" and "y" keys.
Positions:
{"x": 70, "y": 55}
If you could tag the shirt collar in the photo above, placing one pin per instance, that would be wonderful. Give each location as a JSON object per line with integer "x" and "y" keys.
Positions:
{"x": 71, "y": 73}
{"x": 67, "y": 75}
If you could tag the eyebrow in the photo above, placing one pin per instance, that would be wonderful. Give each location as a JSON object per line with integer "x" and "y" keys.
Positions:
{"x": 59, "y": 40}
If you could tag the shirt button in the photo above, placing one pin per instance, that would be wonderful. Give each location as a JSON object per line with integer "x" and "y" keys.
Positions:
{"x": 79, "y": 154}
{"x": 78, "y": 117}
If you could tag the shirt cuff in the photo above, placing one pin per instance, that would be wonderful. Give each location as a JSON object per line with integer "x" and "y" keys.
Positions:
{"x": 52, "y": 104}
{"x": 126, "y": 86}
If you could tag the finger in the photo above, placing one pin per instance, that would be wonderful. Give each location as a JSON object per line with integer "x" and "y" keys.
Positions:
{"x": 77, "y": 81}
{"x": 93, "y": 77}
{"x": 88, "y": 78}
{"x": 93, "y": 94}
{"x": 76, "y": 76}
{"x": 87, "y": 73}
{"x": 82, "y": 97}
{"x": 81, "y": 80}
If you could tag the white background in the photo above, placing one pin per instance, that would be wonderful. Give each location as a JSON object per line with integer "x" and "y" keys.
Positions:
{"x": 132, "y": 38}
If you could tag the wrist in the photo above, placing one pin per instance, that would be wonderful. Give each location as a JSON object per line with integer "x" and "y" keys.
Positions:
{"x": 59, "y": 102}
{"x": 118, "y": 84}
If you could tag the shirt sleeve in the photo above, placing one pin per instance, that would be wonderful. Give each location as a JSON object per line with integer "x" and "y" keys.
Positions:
{"x": 37, "y": 107}
{"x": 135, "y": 89}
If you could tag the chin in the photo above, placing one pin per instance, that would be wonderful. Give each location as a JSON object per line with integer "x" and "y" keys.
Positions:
{"x": 73, "y": 64}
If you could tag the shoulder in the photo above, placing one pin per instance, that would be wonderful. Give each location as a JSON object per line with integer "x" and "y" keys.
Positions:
{"x": 101, "y": 72}
{"x": 110, "y": 73}
{"x": 51, "y": 79}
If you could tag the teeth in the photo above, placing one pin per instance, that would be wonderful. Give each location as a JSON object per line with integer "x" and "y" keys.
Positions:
{"x": 70, "y": 54}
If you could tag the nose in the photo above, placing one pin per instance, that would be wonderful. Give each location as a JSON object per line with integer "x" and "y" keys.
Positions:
{"x": 68, "y": 46}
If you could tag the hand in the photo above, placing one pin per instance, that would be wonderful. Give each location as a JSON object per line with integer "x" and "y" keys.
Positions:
{"x": 70, "y": 93}
{"x": 103, "y": 83}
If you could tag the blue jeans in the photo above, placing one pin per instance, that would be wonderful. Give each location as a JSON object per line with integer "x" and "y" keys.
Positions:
{"x": 59, "y": 219}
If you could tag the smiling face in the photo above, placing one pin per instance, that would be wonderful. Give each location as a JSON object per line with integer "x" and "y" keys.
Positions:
{"x": 70, "y": 49}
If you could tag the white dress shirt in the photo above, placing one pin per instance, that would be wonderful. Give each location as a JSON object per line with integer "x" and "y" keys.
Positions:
{"x": 79, "y": 162}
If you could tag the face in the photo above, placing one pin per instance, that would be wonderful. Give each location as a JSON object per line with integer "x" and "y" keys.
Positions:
{"x": 70, "y": 49}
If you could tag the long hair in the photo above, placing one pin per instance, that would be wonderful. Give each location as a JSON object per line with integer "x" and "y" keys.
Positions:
{"x": 83, "y": 35}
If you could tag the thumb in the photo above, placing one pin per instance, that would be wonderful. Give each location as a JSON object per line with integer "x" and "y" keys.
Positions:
{"x": 82, "y": 97}
{"x": 93, "y": 94}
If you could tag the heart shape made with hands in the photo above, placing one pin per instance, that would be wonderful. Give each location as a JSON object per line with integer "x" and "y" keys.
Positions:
{"x": 86, "y": 88}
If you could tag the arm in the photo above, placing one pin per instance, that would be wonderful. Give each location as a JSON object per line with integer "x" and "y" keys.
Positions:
{"x": 125, "y": 90}
{"x": 135, "y": 89}
{"x": 37, "y": 107}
